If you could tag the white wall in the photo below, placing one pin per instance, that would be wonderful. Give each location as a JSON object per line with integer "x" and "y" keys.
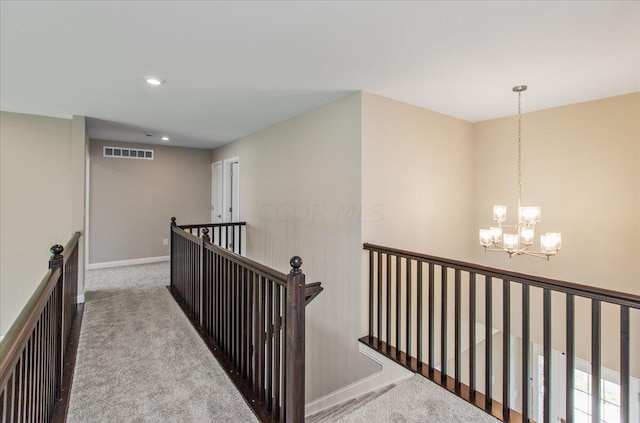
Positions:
{"x": 300, "y": 195}
{"x": 35, "y": 203}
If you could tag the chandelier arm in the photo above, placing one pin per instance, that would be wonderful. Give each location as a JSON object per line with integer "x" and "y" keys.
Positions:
{"x": 538, "y": 255}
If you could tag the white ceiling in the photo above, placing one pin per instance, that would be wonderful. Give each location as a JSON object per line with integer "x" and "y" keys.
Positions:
{"x": 233, "y": 68}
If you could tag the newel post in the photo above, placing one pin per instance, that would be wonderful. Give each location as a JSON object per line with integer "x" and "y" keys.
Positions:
{"x": 172, "y": 253}
{"x": 203, "y": 256}
{"x": 295, "y": 325}
{"x": 57, "y": 262}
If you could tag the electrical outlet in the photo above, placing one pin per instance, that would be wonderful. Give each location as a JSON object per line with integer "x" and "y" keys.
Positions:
{"x": 165, "y": 241}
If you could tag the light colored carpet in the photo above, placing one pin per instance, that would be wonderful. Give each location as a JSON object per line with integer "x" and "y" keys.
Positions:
{"x": 336, "y": 413}
{"x": 140, "y": 360}
{"x": 417, "y": 400}
{"x": 143, "y": 275}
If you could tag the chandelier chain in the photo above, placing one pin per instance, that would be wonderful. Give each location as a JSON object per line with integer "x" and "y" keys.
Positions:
{"x": 519, "y": 146}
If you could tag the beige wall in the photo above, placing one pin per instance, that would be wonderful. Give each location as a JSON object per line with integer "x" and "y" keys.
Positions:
{"x": 580, "y": 164}
{"x": 131, "y": 201}
{"x": 417, "y": 183}
{"x": 300, "y": 194}
{"x": 79, "y": 148}
{"x": 417, "y": 178}
{"x": 35, "y": 203}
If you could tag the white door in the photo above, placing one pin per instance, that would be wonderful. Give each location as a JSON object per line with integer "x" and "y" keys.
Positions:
{"x": 235, "y": 192}
{"x": 231, "y": 199}
{"x": 231, "y": 208}
{"x": 216, "y": 192}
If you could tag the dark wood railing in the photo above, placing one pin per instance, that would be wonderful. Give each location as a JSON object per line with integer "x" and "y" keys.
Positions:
{"x": 38, "y": 352}
{"x": 403, "y": 325}
{"x": 252, "y": 318}
{"x": 228, "y": 235}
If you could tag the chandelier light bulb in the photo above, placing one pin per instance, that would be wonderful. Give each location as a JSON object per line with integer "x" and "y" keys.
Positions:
{"x": 486, "y": 238}
{"x": 530, "y": 215}
{"x": 496, "y": 234}
{"x": 549, "y": 244}
{"x": 510, "y": 242}
{"x": 557, "y": 237}
{"x": 500, "y": 213}
{"x": 527, "y": 235}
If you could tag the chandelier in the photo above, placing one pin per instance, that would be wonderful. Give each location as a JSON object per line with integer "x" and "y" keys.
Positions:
{"x": 519, "y": 242}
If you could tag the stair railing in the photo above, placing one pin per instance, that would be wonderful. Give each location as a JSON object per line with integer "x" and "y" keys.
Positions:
{"x": 407, "y": 288}
{"x": 38, "y": 353}
{"x": 228, "y": 235}
{"x": 252, "y": 318}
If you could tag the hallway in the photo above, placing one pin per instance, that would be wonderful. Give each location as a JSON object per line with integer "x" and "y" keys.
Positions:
{"x": 139, "y": 359}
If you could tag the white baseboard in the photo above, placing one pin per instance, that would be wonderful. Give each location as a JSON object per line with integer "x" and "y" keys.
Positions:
{"x": 120, "y": 263}
{"x": 391, "y": 373}
{"x": 80, "y": 299}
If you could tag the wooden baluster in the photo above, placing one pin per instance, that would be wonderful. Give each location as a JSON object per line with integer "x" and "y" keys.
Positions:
{"x": 277, "y": 354}
{"x": 457, "y": 331}
{"x": 388, "y": 299}
{"x": 624, "y": 364}
{"x": 201, "y": 279}
{"x": 398, "y": 307}
{"x": 596, "y": 396}
{"x": 472, "y": 336}
{"x": 270, "y": 354}
{"x": 57, "y": 261}
{"x": 443, "y": 328}
{"x": 419, "y": 328}
{"x": 570, "y": 364}
{"x": 371, "y": 297}
{"x": 526, "y": 343}
{"x": 506, "y": 349}
{"x": 379, "y": 298}
{"x": 547, "y": 354}
{"x": 432, "y": 335}
{"x": 488, "y": 352}
{"x": 408, "y": 314}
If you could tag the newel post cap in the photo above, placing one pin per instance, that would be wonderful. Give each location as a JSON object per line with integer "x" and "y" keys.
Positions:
{"x": 56, "y": 251}
{"x": 296, "y": 263}
{"x": 173, "y": 221}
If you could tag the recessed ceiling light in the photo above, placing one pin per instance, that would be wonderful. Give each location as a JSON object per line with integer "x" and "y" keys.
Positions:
{"x": 165, "y": 138}
{"x": 154, "y": 80}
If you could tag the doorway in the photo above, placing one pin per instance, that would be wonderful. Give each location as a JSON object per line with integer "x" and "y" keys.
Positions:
{"x": 225, "y": 199}
{"x": 216, "y": 192}
{"x": 231, "y": 178}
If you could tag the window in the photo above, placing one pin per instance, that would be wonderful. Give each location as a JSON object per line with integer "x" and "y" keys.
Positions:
{"x": 610, "y": 405}
{"x": 582, "y": 394}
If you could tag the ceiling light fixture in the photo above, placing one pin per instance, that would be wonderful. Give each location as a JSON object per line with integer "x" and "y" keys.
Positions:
{"x": 493, "y": 239}
{"x": 154, "y": 80}
{"x": 165, "y": 138}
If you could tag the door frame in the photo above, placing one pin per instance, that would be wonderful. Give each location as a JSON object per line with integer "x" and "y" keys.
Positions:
{"x": 213, "y": 194}
{"x": 227, "y": 180}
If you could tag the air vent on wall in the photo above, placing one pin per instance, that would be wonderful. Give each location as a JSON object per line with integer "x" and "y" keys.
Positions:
{"x": 127, "y": 153}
